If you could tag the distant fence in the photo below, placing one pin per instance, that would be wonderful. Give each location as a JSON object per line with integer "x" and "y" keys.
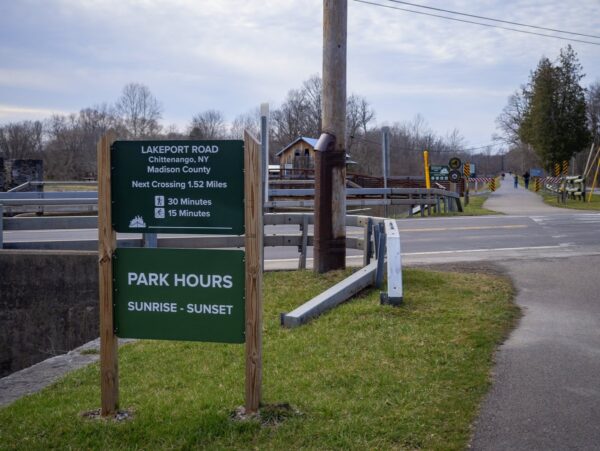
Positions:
{"x": 570, "y": 187}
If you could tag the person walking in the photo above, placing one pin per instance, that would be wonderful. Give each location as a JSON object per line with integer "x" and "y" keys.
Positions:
{"x": 516, "y": 181}
{"x": 526, "y": 179}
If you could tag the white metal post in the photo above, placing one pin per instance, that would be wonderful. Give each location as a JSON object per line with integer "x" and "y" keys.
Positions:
{"x": 394, "y": 293}
{"x": 264, "y": 146}
{"x": 385, "y": 158}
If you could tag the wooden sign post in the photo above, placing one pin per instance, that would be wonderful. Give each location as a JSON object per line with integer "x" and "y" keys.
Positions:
{"x": 254, "y": 251}
{"x": 141, "y": 200}
{"x": 107, "y": 243}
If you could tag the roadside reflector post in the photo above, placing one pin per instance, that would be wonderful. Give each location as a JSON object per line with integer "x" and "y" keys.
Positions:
{"x": 394, "y": 294}
{"x": 426, "y": 164}
{"x": 467, "y": 174}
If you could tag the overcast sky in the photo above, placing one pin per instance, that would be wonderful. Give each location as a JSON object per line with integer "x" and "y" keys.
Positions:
{"x": 58, "y": 56}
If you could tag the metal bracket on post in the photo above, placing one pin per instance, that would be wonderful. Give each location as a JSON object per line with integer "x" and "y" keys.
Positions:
{"x": 376, "y": 239}
{"x": 150, "y": 240}
{"x": 368, "y": 243}
{"x": 304, "y": 230}
{"x": 380, "y": 255}
{"x": 394, "y": 295}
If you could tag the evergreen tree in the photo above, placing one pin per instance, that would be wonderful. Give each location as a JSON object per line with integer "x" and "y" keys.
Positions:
{"x": 554, "y": 121}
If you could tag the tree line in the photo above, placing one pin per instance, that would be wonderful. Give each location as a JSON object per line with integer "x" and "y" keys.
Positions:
{"x": 67, "y": 143}
{"x": 551, "y": 118}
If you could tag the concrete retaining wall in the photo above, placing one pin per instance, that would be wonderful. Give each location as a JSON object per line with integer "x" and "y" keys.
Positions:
{"x": 48, "y": 305}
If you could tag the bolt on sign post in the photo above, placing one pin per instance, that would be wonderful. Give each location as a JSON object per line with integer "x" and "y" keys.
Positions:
{"x": 426, "y": 164}
{"x": 207, "y": 187}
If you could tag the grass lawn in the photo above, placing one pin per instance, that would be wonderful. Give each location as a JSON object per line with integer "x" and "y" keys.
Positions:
{"x": 475, "y": 207}
{"x": 363, "y": 376}
{"x": 86, "y": 187}
{"x": 594, "y": 204}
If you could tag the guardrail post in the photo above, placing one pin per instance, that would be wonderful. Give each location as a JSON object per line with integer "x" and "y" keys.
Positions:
{"x": 394, "y": 295}
{"x": 304, "y": 230}
{"x": 380, "y": 256}
{"x": 376, "y": 238}
{"x": 367, "y": 244}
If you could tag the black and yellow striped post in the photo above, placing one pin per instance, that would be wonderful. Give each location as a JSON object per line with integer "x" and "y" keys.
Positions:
{"x": 565, "y": 168}
{"x": 537, "y": 184}
{"x": 556, "y": 169}
{"x": 492, "y": 185}
{"x": 467, "y": 174}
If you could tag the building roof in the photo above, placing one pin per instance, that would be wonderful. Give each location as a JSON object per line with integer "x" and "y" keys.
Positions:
{"x": 312, "y": 142}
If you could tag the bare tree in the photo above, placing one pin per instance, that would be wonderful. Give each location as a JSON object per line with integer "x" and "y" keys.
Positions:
{"x": 247, "y": 121}
{"x": 301, "y": 115}
{"x": 21, "y": 140}
{"x": 70, "y": 148}
{"x": 312, "y": 91}
{"x": 293, "y": 119}
{"x": 358, "y": 116}
{"x": 209, "y": 124}
{"x": 139, "y": 110}
{"x": 511, "y": 118}
{"x": 593, "y": 110}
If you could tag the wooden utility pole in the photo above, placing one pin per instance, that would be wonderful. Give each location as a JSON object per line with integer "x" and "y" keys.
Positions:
{"x": 330, "y": 158}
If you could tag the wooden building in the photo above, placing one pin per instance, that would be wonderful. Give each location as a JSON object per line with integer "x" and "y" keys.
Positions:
{"x": 297, "y": 159}
{"x": 298, "y": 156}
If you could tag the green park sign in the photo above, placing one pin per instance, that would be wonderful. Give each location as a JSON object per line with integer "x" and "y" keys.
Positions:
{"x": 438, "y": 173}
{"x": 179, "y": 294}
{"x": 178, "y": 186}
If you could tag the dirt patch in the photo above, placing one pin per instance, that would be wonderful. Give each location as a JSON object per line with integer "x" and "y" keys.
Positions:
{"x": 269, "y": 415}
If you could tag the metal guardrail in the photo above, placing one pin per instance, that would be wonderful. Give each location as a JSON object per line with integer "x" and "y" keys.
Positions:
{"x": 570, "y": 187}
{"x": 373, "y": 243}
{"x": 301, "y": 240}
{"x": 87, "y": 201}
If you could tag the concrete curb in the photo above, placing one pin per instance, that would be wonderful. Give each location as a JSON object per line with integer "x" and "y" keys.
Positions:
{"x": 36, "y": 377}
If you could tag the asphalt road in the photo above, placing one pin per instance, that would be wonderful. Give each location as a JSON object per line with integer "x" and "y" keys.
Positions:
{"x": 546, "y": 382}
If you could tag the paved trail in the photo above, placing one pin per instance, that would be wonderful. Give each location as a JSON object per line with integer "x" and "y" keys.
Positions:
{"x": 546, "y": 386}
{"x": 519, "y": 201}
